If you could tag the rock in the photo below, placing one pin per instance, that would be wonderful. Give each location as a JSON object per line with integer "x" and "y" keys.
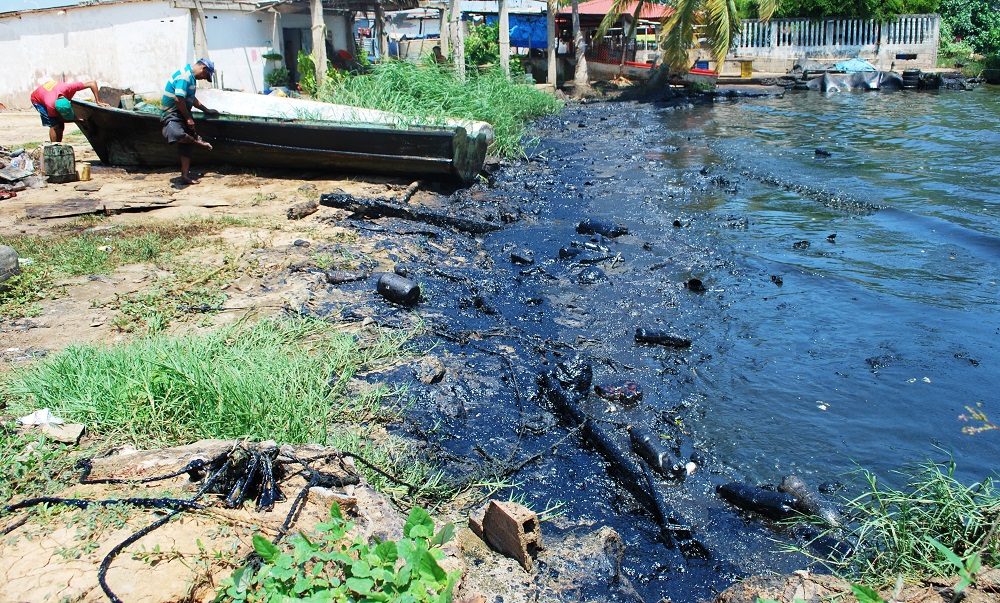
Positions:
{"x": 429, "y": 370}
{"x": 800, "y": 245}
{"x": 9, "y": 266}
{"x": 522, "y": 257}
{"x": 67, "y": 434}
{"x": 301, "y": 243}
{"x": 777, "y": 279}
{"x": 88, "y": 187}
{"x": 510, "y": 529}
{"x": 695, "y": 285}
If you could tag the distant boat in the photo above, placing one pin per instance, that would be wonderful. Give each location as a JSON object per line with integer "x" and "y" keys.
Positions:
{"x": 271, "y": 132}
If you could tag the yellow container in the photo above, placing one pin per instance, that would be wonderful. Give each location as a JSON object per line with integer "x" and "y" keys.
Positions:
{"x": 84, "y": 170}
{"x": 746, "y": 69}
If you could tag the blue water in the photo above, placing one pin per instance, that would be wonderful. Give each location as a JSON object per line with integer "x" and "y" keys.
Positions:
{"x": 878, "y": 338}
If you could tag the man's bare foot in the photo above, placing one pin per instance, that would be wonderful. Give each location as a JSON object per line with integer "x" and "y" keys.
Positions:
{"x": 186, "y": 180}
{"x": 203, "y": 144}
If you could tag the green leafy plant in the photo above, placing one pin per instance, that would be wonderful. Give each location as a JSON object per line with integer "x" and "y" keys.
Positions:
{"x": 866, "y": 594}
{"x": 278, "y": 77}
{"x": 334, "y": 567}
{"x": 306, "y": 66}
{"x": 482, "y": 45}
{"x": 966, "y": 568}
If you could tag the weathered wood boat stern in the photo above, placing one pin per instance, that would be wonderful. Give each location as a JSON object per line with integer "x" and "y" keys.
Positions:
{"x": 130, "y": 138}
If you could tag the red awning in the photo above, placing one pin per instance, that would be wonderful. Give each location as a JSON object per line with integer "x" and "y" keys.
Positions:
{"x": 599, "y": 8}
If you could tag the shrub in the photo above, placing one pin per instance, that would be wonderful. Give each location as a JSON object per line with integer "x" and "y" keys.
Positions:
{"x": 332, "y": 567}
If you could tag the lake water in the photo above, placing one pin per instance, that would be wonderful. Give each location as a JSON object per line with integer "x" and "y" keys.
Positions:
{"x": 877, "y": 338}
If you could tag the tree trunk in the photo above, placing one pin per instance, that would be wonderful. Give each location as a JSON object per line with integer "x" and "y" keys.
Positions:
{"x": 445, "y": 32}
{"x": 383, "y": 35}
{"x": 457, "y": 32}
{"x": 550, "y": 33}
{"x": 504, "y": 37}
{"x": 318, "y": 41}
{"x": 580, "y": 76}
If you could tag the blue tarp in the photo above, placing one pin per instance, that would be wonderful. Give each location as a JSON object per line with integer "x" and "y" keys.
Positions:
{"x": 526, "y": 31}
{"x": 854, "y": 66}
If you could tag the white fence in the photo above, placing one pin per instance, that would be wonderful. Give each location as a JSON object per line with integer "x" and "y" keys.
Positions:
{"x": 909, "y": 42}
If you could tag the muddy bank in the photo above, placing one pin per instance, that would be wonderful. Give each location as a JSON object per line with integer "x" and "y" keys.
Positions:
{"x": 542, "y": 290}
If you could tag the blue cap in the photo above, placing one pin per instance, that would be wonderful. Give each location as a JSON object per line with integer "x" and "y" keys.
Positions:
{"x": 210, "y": 65}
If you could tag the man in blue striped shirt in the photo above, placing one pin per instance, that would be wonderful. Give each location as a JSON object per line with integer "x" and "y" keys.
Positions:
{"x": 178, "y": 100}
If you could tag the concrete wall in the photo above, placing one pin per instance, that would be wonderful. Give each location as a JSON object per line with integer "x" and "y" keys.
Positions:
{"x": 911, "y": 42}
{"x": 236, "y": 43}
{"x": 133, "y": 45}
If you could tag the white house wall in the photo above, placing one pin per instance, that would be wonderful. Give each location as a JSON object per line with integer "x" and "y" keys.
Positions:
{"x": 236, "y": 43}
{"x": 135, "y": 45}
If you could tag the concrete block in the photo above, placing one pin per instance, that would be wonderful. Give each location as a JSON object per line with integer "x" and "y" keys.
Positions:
{"x": 510, "y": 529}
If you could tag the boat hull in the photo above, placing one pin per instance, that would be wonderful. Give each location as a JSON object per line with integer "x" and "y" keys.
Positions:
{"x": 130, "y": 138}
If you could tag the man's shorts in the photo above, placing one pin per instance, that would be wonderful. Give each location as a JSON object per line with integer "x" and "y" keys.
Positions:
{"x": 175, "y": 129}
{"x": 47, "y": 120}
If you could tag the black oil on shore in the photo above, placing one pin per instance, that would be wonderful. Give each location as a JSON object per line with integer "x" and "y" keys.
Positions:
{"x": 772, "y": 353}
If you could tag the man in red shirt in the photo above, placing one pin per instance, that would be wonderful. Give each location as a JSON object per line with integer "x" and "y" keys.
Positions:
{"x": 51, "y": 99}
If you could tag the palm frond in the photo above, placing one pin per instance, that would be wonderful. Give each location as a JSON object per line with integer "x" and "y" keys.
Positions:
{"x": 766, "y": 8}
{"x": 678, "y": 33}
{"x": 722, "y": 26}
{"x": 617, "y": 8}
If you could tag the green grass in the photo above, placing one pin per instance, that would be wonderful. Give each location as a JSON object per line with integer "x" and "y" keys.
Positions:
{"x": 283, "y": 379}
{"x": 891, "y": 527}
{"x": 268, "y": 380}
{"x": 428, "y": 94}
{"x": 77, "y": 250}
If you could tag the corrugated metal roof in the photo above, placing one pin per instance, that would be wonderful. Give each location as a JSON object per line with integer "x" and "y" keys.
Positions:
{"x": 603, "y": 7}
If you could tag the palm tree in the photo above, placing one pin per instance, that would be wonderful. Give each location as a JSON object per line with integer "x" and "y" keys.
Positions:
{"x": 717, "y": 21}
{"x": 580, "y": 75}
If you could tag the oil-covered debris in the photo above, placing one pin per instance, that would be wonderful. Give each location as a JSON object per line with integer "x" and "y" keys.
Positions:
{"x": 770, "y": 504}
{"x": 381, "y": 207}
{"x": 399, "y": 289}
{"x": 657, "y": 337}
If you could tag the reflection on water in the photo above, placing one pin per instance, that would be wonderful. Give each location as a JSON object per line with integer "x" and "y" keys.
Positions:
{"x": 886, "y": 326}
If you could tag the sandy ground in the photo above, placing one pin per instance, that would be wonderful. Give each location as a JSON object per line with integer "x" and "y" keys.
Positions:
{"x": 79, "y": 316}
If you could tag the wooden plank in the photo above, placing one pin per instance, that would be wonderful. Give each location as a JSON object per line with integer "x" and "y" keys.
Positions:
{"x": 65, "y": 209}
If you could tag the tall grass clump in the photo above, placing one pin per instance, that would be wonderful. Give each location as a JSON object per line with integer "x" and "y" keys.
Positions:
{"x": 430, "y": 94}
{"x": 891, "y": 527}
{"x": 280, "y": 379}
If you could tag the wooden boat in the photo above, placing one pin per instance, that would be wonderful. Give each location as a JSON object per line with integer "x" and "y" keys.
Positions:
{"x": 281, "y": 133}
{"x": 697, "y": 75}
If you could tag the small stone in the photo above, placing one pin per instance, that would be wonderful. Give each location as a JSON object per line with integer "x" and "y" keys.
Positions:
{"x": 301, "y": 243}
{"x": 695, "y": 285}
{"x": 67, "y": 434}
{"x": 522, "y": 257}
{"x": 88, "y": 187}
{"x": 9, "y": 264}
{"x": 430, "y": 370}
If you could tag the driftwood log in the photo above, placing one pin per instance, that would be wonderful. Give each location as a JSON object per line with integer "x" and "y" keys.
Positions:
{"x": 381, "y": 207}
